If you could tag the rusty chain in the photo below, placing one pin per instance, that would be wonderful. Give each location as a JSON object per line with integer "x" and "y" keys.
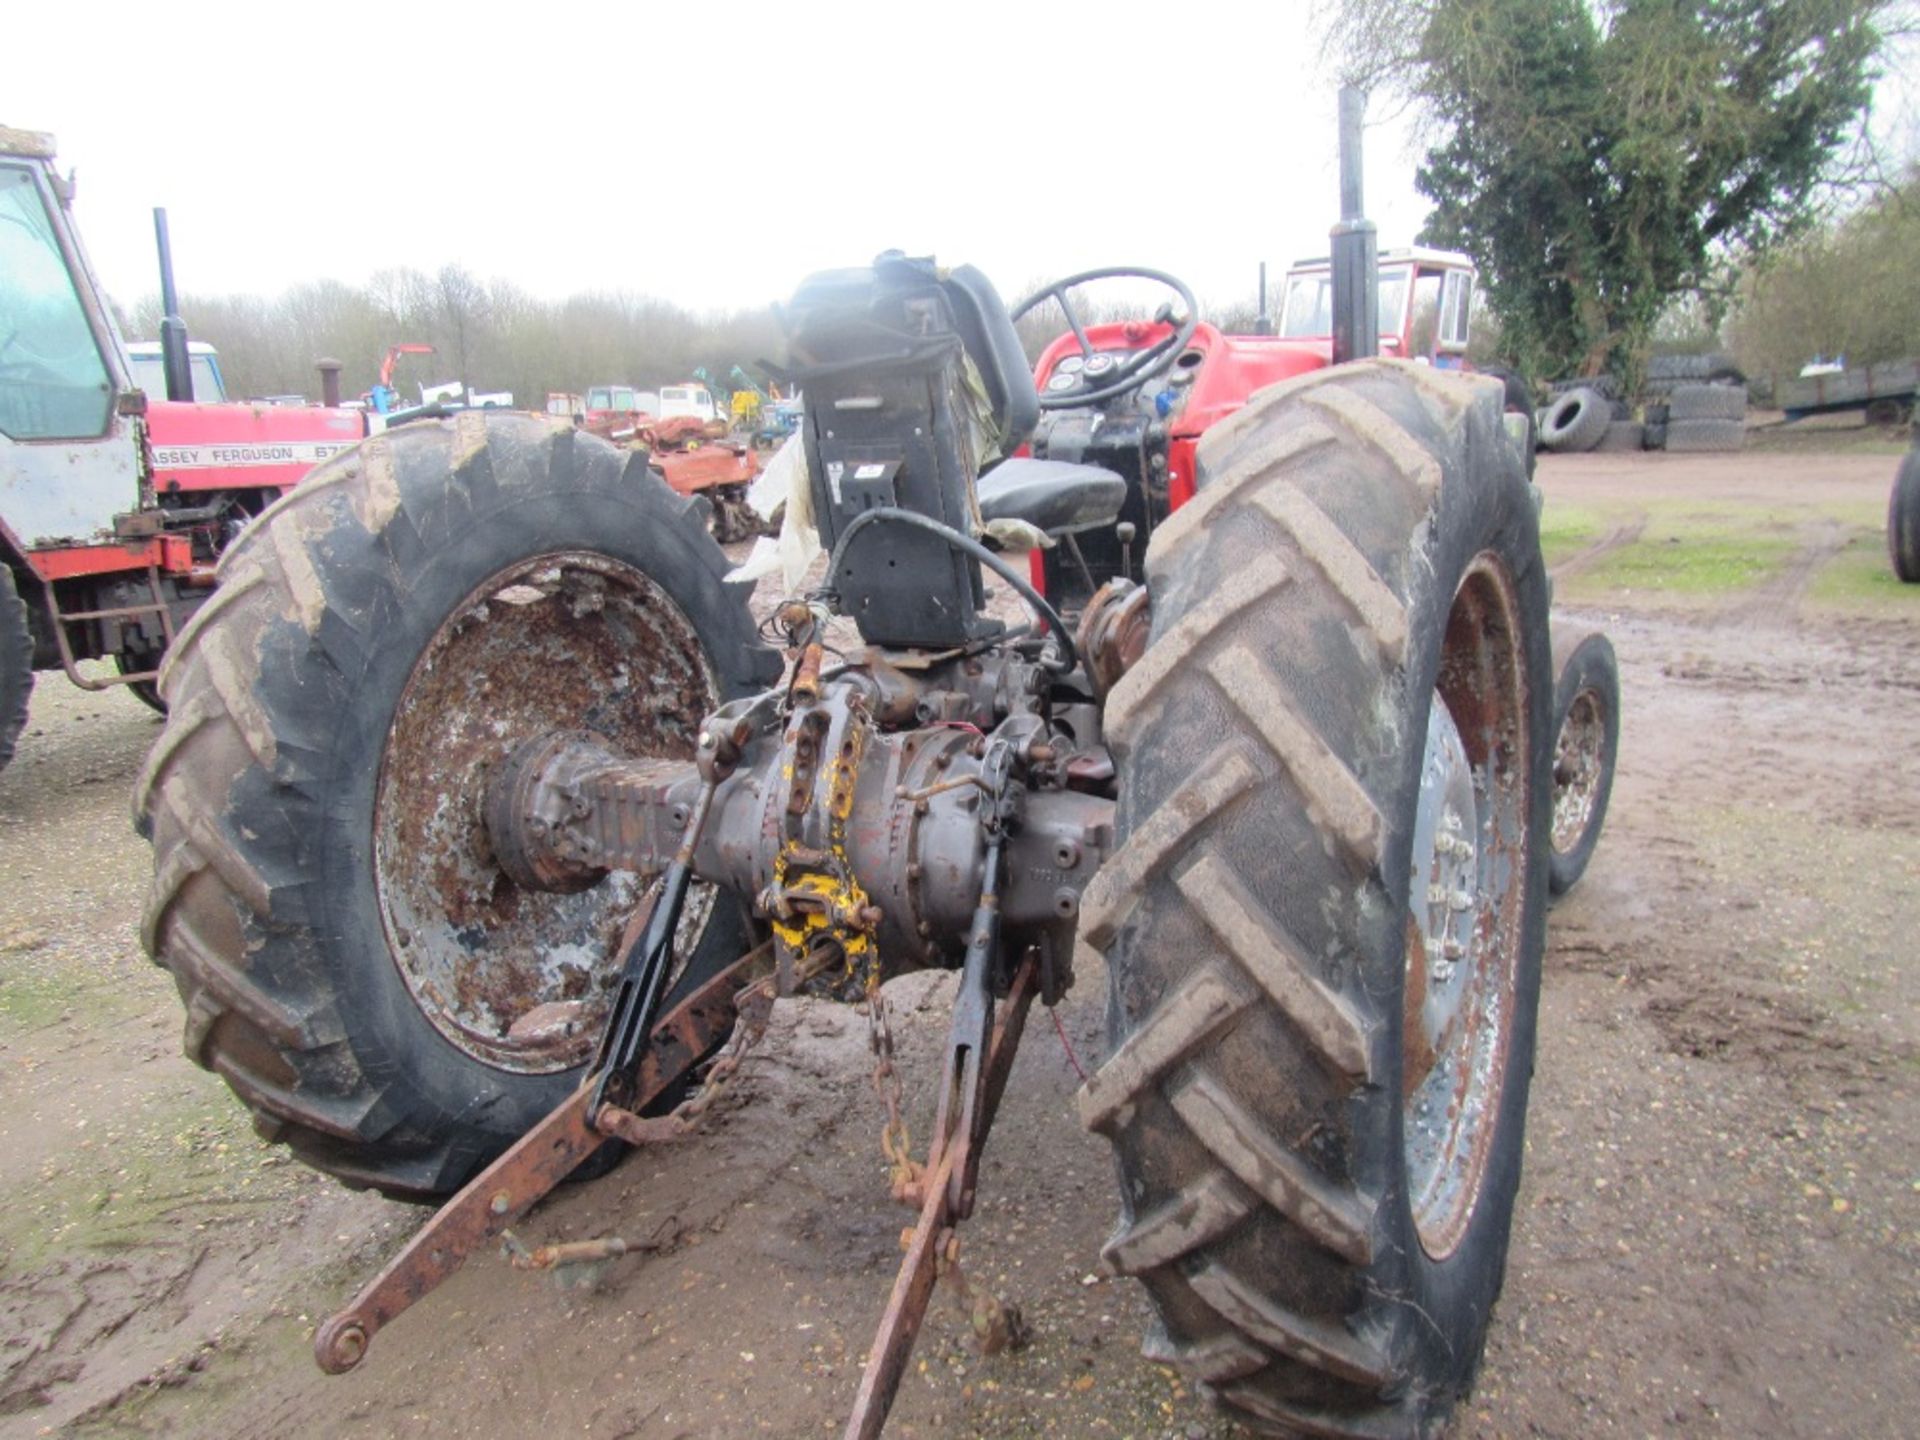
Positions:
{"x": 754, "y": 1006}
{"x": 896, "y": 1141}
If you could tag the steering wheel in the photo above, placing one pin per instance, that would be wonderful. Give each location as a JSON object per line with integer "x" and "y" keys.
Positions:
{"x": 1127, "y": 371}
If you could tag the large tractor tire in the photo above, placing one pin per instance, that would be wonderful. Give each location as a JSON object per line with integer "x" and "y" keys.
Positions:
{"x": 1903, "y": 519}
{"x": 1324, "y": 918}
{"x": 1586, "y": 748}
{"x": 352, "y": 960}
{"x": 16, "y": 664}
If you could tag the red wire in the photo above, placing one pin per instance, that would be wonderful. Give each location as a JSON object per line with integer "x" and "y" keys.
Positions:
{"x": 1066, "y": 1044}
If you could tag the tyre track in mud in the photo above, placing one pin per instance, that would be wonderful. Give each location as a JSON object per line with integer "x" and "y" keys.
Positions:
{"x": 1580, "y": 561}
{"x": 1776, "y": 600}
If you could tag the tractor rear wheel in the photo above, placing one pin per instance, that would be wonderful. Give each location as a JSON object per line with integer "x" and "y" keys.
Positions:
{"x": 1586, "y": 728}
{"x": 16, "y": 664}
{"x": 353, "y": 961}
{"x": 1324, "y": 920}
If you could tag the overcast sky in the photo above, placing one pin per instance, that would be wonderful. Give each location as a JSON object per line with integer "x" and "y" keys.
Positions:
{"x": 708, "y": 153}
{"x": 711, "y": 154}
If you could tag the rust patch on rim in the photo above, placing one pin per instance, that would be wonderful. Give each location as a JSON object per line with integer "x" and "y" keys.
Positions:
{"x": 567, "y": 640}
{"x": 1456, "y": 1071}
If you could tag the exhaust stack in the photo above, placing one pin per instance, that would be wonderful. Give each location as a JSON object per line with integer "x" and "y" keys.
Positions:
{"x": 1356, "y": 286}
{"x": 174, "y": 358}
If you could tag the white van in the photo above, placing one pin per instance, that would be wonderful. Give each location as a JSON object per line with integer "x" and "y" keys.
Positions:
{"x": 694, "y": 400}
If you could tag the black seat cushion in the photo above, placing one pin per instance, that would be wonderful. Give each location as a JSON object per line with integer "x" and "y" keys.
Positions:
{"x": 1053, "y": 495}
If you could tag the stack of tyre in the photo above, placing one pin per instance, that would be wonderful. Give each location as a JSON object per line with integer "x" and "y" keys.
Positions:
{"x": 1703, "y": 417}
{"x": 1587, "y": 415}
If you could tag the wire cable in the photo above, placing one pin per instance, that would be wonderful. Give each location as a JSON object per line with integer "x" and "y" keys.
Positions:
{"x": 966, "y": 545}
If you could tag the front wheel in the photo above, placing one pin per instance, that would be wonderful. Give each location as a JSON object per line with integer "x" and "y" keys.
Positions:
{"x": 1586, "y": 728}
{"x": 1325, "y": 916}
{"x": 352, "y": 959}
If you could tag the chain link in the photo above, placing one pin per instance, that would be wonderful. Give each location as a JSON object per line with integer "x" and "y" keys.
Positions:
{"x": 753, "y": 1007}
{"x": 896, "y": 1141}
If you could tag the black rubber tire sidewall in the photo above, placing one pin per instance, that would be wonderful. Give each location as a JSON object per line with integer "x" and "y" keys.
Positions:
{"x": 1903, "y": 519}
{"x": 1590, "y": 664}
{"x": 16, "y": 664}
{"x": 1576, "y": 420}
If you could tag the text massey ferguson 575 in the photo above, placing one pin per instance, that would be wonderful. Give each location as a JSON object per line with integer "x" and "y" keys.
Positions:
{"x": 486, "y": 816}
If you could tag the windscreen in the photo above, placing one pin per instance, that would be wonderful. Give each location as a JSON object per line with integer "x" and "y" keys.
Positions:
{"x": 1308, "y": 311}
{"x": 53, "y": 383}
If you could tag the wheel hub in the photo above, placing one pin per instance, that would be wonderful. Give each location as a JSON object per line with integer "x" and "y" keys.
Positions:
{"x": 512, "y": 976}
{"x": 1446, "y": 900}
{"x": 1579, "y": 764}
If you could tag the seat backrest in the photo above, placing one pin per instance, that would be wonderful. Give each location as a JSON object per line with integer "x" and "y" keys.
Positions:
{"x": 890, "y": 422}
{"x": 994, "y": 344}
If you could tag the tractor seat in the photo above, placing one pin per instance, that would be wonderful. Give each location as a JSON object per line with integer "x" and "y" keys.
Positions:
{"x": 1052, "y": 495}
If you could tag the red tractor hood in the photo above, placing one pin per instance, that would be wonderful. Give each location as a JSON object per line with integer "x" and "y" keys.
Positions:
{"x": 235, "y": 447}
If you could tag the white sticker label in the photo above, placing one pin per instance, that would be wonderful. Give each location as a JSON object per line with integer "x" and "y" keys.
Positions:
{"x": 870, "y": 472}
{"x": 229, "y": 457}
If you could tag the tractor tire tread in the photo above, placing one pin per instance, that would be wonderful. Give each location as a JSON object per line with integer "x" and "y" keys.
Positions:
{"x": 1705, "y": 437}
{"x": 1707, "y": 402}
{"x": 1305, "y": 546}
{"x": 230, "y": 783}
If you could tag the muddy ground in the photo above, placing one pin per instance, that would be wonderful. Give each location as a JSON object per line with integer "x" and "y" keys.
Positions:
{"x": 1718, "y": 1233}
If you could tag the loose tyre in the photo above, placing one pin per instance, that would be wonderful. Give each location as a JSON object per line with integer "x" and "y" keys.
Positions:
{"x": 1903, "y": 520}
{"x": 1586, "y": 727}
{"x": 1707, "y": 402}
{"x": 352, "y": 960}
{"x": 1705, "y": 436}
{"x": 1323, "y": 921}
{"x": 1576, "y": 421}
{"x": 16, "y": 664}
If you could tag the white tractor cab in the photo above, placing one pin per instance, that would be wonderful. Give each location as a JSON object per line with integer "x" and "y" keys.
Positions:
{"x": 150, "y": 371}
{"x": 1426, "y": 302}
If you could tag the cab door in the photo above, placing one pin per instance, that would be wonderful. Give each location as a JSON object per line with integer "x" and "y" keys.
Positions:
{"x": 69, "y": 460}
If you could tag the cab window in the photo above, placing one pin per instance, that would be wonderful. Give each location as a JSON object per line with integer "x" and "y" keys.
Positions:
{"x": 1454, "y": 302}
{"x": 54, "y": 385}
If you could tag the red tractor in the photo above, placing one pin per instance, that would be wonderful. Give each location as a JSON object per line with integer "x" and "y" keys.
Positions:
{"x": 114, "y": 507}
{"x": 488, "y": 822}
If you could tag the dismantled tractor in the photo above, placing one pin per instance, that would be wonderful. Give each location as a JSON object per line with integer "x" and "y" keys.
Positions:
{"x": 486, "y": 818}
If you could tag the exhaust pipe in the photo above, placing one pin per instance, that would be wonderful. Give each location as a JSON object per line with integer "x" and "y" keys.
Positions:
{"x": 1356, "y": 285}
{"x": 174, "y": 359}
{"x": 329, "y": 382}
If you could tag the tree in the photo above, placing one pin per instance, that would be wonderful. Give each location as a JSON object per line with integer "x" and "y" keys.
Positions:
{"x": 1596, "y": 157}
{"x": 1845, "y": 289}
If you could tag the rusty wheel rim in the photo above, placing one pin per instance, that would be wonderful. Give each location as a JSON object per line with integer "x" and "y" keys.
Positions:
{"x": 1465, "y": 921}
{"x": 515, "y": 978}
{"x": 1579, "y": 763}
